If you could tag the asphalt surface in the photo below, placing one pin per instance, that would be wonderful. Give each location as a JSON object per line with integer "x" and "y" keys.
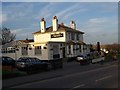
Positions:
{"x": 72, "y": 76}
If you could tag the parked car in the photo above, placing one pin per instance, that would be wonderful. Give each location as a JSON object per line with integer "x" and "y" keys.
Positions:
{"x": 7, "y": 61}
{"x": 83, "y": 59}
{"x": 31, "y": 64}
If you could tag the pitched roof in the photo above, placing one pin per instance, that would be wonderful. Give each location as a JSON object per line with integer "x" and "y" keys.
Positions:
{"x": 60, "y": 28}
{"x": 27, "y": 40}
{"x": 18, "y": 42}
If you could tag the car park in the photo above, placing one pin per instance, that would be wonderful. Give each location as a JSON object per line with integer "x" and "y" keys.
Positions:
{"x": 7, "y": 61}
{"x": 31, "y": 64}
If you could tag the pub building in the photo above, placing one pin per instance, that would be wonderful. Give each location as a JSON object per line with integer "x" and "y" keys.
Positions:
{"x": 56, "y": 41}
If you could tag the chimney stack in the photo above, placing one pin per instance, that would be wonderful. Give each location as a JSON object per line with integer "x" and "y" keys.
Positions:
{"x": 62, "y": 24}
{"x": 55, "y": 23}
{"x": 43, "y": 25}
{"x": 72, "y": 25}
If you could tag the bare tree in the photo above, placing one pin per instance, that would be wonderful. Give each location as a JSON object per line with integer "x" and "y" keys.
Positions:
{"x": 6, "y": 36}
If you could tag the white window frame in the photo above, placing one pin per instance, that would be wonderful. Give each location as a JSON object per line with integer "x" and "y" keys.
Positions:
{"x": 38, "y": 50}
{"x": 24, "y": 50}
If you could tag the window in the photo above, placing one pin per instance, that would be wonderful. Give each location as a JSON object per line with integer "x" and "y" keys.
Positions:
{"x": 77, "y": 36}
{"x": 11, "y": 50}
{"x": 81, "y": 37}
{"x": 72, "y": 36}
{"x": 3, "y": 50}
{"x": 69, "y": 49}
{"x": 45, "y": 47}
{"x": 74, "y": 47}
{"x": 80, "y": 48}
{"x": 24, "y": 50}
{"x": 38, "y": 50}
{"x": 69, "y": 35}
{"x": 84, "y": 47}
{"x": 8, "y": 50}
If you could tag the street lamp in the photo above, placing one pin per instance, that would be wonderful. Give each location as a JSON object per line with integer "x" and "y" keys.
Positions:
{"x": 104, "y": 50}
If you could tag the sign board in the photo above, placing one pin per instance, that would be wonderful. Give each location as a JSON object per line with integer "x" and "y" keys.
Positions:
{"x": 57, "y": 35}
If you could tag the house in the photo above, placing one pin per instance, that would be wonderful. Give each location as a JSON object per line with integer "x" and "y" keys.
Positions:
{"x": 56, "y": 41}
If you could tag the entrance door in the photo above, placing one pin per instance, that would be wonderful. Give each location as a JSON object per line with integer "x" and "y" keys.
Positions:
{"x": 63, "y": 52}
{"x": 56, "y": 51}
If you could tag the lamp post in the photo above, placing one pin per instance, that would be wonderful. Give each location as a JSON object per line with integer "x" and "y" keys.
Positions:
{"x": 15, "y": 50}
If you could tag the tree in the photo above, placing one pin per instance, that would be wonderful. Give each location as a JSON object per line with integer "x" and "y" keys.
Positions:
{"x": 6, "y": 36}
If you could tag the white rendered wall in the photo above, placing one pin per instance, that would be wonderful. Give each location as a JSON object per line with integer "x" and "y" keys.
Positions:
{"x": 12, "y": 55}
{"x": 47, "y": 37}
{"x": 68, "y": 36}
{"x": 44, "y": 52}
{"x": 15, "y": 55}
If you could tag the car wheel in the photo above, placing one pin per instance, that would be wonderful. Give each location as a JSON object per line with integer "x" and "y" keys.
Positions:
{"x": 49, "y": 67}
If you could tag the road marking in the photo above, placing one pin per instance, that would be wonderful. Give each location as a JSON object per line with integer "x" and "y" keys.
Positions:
{"x": 103, "y": 78}
{"x": 79, "y": 86}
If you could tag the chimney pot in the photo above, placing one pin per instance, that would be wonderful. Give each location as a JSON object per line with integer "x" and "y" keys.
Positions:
{"x": 54, "y": 17}
{"x": 42, "y": 19}
{"x": 62, "y": 24}
{"x": 72, "y": 22}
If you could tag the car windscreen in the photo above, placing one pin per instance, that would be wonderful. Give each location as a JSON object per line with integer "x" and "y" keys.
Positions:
{"x": 80, "y": 56}
{"x": 36, "y": 59}
{"x": 21, "y": 60}
{"x": 9, "y": 59}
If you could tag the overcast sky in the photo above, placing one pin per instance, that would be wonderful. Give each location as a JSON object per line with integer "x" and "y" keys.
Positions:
{"x": 98, "y": 20}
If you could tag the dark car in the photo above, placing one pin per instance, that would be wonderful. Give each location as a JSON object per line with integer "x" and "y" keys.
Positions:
{"x": 30, "y": 64}
{"x": 7, "y": 61}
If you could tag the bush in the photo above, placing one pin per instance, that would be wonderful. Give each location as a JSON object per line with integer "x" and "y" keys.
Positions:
{"x": 118, "y": 56}
{"x": 108, "y": 57}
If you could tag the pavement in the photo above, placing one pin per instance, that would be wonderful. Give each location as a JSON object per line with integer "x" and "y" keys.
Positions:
{"x": 67, "y": 69}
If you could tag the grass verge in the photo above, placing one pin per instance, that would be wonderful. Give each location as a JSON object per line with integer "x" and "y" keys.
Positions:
{"x": 10, "y": 74}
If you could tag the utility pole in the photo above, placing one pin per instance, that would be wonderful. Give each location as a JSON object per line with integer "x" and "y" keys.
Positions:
{"x": 98, "y": 47}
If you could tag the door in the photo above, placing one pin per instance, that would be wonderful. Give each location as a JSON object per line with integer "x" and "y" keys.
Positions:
{"x": 56, "y": 51}
{"x": 63, "y": 52}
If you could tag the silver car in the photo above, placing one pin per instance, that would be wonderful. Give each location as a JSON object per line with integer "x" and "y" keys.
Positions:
{"x": 83, "y": 59}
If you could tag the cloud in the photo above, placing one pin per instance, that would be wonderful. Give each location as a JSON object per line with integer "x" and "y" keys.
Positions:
{"x": 47, "y": 11}
{"x": 102, "y": 29}
{"x": 17, "y": 11}
{"x": 63, "y": 15}
{"x": 70, "y": 11}
{"x": 17, "y": 31}
{"x": 97, "y": 20}
{"x": 100, "y": 24}
{"x": 111, "y": 8}
{"x": 22, "y": 33}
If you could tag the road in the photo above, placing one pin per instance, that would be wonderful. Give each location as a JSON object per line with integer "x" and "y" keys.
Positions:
{"x": 74, "y": 76}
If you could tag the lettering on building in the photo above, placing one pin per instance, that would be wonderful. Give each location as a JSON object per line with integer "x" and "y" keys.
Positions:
{"x": 56, "y": 35}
